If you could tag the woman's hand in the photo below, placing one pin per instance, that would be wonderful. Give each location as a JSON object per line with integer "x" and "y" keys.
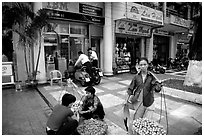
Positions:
{"x": 83, "y": 112}
{"x": 76, "y": 116}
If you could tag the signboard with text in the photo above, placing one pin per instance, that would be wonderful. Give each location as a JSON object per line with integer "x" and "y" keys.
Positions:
{"x": 7, "y": 73}
{"x": 131, "y": 28}
{"x": 179, "y": 21}
{"x": 91, "y": 10}
{"x": 6, "y": 70}
{"x": 143, "y": 13}
{"x": 63, "y": 6}
{"x": 57, "y": 14}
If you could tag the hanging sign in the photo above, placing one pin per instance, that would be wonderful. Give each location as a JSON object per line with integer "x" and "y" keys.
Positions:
{"x": 143, "y": 13}
{"x": 125, "y": 27}
{"x": 179, "y": 21}
{"x": 91, "y": 10}
{"x": 63, "y": 6}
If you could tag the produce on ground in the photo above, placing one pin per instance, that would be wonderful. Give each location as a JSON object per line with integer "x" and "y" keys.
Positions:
{"x": 92, "y": 127}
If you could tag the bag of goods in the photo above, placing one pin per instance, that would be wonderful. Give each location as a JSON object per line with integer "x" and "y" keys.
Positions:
{"x": 144, "y": 126}
{"x": 92, "y": 127}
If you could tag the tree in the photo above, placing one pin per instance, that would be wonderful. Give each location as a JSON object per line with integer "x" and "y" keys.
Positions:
{"x": 196, "y": 40}
{"x": 194, "y": 72}
{"x": 29, "y": 26}
{"x": 16, "y": 18}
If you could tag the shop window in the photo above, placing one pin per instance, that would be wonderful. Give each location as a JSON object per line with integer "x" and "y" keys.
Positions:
{"x": 78, "y": 29}
{"x": 76, "y": 45}
{"x": 64, "y": 28}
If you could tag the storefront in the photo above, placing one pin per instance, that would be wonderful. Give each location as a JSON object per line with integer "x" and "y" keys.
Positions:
{"x": 64, "y": 45}
{"x": 73, "y": 24}
{"x": 133, "y": 31}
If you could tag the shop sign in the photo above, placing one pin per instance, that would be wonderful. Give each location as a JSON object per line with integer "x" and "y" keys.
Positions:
{"x": 184, "y": 38}
{"x": 125, "y": 27}
{"x": 57, "y": 14}
{"x": 64, "y": 6}
{"x": 6, "y": 70}
{"x": 144, "y": 14}
{"x": 162, "y": 32}
{"x": 179, "y": 21}
{"x": 91, "y": 10}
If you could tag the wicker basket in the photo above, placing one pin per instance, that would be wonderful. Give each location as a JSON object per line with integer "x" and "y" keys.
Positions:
{"x": 144, "y": 126}
{"x": 92, "y": 127}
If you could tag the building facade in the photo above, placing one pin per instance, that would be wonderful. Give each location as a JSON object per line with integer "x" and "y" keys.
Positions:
{"x": 120, "y": 32}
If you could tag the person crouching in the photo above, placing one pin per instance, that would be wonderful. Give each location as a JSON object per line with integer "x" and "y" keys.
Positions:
{"x": 60, "y": 122}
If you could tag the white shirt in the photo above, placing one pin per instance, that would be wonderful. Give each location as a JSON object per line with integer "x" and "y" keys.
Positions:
{"x": 93, "y": 55}
{"x": 83, "y": 59}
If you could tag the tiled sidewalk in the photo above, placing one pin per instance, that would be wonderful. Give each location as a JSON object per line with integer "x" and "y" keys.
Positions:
{"x": 183, "y": 117}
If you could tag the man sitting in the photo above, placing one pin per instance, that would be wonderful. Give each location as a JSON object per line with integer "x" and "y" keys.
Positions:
{"x": 91, "y": 107}
{"x": 61, "y": 121}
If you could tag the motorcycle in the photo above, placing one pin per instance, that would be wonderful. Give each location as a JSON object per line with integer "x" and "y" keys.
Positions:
{"x": 97, "y": 74}
{"x": 82, "y": 76}
{"x": 157, "y": 69}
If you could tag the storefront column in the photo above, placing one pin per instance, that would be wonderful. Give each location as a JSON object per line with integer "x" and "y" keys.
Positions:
{"x": 149, "y": 49}
{"x": 142, "y": 47}
{"x": 172, "y": 46}
{"x": 41, "y": 77}
{"x": 108, "y": 44}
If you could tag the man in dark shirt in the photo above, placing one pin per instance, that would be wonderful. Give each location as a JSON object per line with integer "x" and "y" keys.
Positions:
{"x": 60, "y": 121}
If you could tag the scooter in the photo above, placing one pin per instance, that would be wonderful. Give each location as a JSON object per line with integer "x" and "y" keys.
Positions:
{"x": 97, "y": 74}
{"x": 82, "y": 76}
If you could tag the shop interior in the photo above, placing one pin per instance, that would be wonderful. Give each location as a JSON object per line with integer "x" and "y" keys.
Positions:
{"x": 126, "y": 52}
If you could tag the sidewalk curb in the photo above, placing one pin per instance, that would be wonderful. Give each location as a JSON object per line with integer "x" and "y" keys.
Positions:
{"x": 188, "y": 96}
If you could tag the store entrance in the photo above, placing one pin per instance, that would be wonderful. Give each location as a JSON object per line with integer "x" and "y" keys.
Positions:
{"x": 160, "y": 50}
{"x": 58, "y": 52}
{"x": 127, "y": 51}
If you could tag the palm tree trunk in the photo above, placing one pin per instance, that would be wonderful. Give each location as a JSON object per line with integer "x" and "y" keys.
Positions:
{"x": 26, "y": 63}
{"x": 38, "y": 58}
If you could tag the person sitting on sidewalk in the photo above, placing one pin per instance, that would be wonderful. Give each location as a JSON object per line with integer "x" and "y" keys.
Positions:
{"x": 62, "y": 121}
{"x": 91, "y": 107}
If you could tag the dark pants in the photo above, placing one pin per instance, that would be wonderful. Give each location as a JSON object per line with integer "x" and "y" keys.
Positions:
{"x": 97, "y": 114}
{"x": 95, "y": 63}
{"x": 68, "y": 128}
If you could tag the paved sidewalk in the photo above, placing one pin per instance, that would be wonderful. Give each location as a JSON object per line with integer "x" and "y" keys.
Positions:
{"x": 184, "y": 118}
{"x": 23, "y": 113}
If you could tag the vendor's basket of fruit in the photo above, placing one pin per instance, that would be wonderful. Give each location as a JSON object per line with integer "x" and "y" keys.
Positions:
{"x": 144, "y": 126}
{"x": 92, "y": 127}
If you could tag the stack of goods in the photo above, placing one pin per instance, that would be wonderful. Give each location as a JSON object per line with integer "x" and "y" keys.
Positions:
{"x": 144, "y": 126}
{"x": 92, "y": 127}
{"x": 76, "y": 106}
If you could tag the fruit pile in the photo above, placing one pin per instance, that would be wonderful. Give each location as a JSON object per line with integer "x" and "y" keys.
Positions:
{"x": 92, "y": 127}
{"x": 144, "y": 126}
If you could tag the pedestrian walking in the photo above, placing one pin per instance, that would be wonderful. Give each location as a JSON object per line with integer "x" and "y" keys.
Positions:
{"x": 140, "y": 93}
{"x": 61, "y": 120}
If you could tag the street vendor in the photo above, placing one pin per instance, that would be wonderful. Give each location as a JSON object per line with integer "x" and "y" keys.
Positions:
{"x": 62, "y": 120}
{"x": 141, "y": 91}
{"x": 92, "y": 106}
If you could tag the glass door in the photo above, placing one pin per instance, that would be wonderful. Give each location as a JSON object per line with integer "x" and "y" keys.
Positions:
{"x": 76, "y": 45}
